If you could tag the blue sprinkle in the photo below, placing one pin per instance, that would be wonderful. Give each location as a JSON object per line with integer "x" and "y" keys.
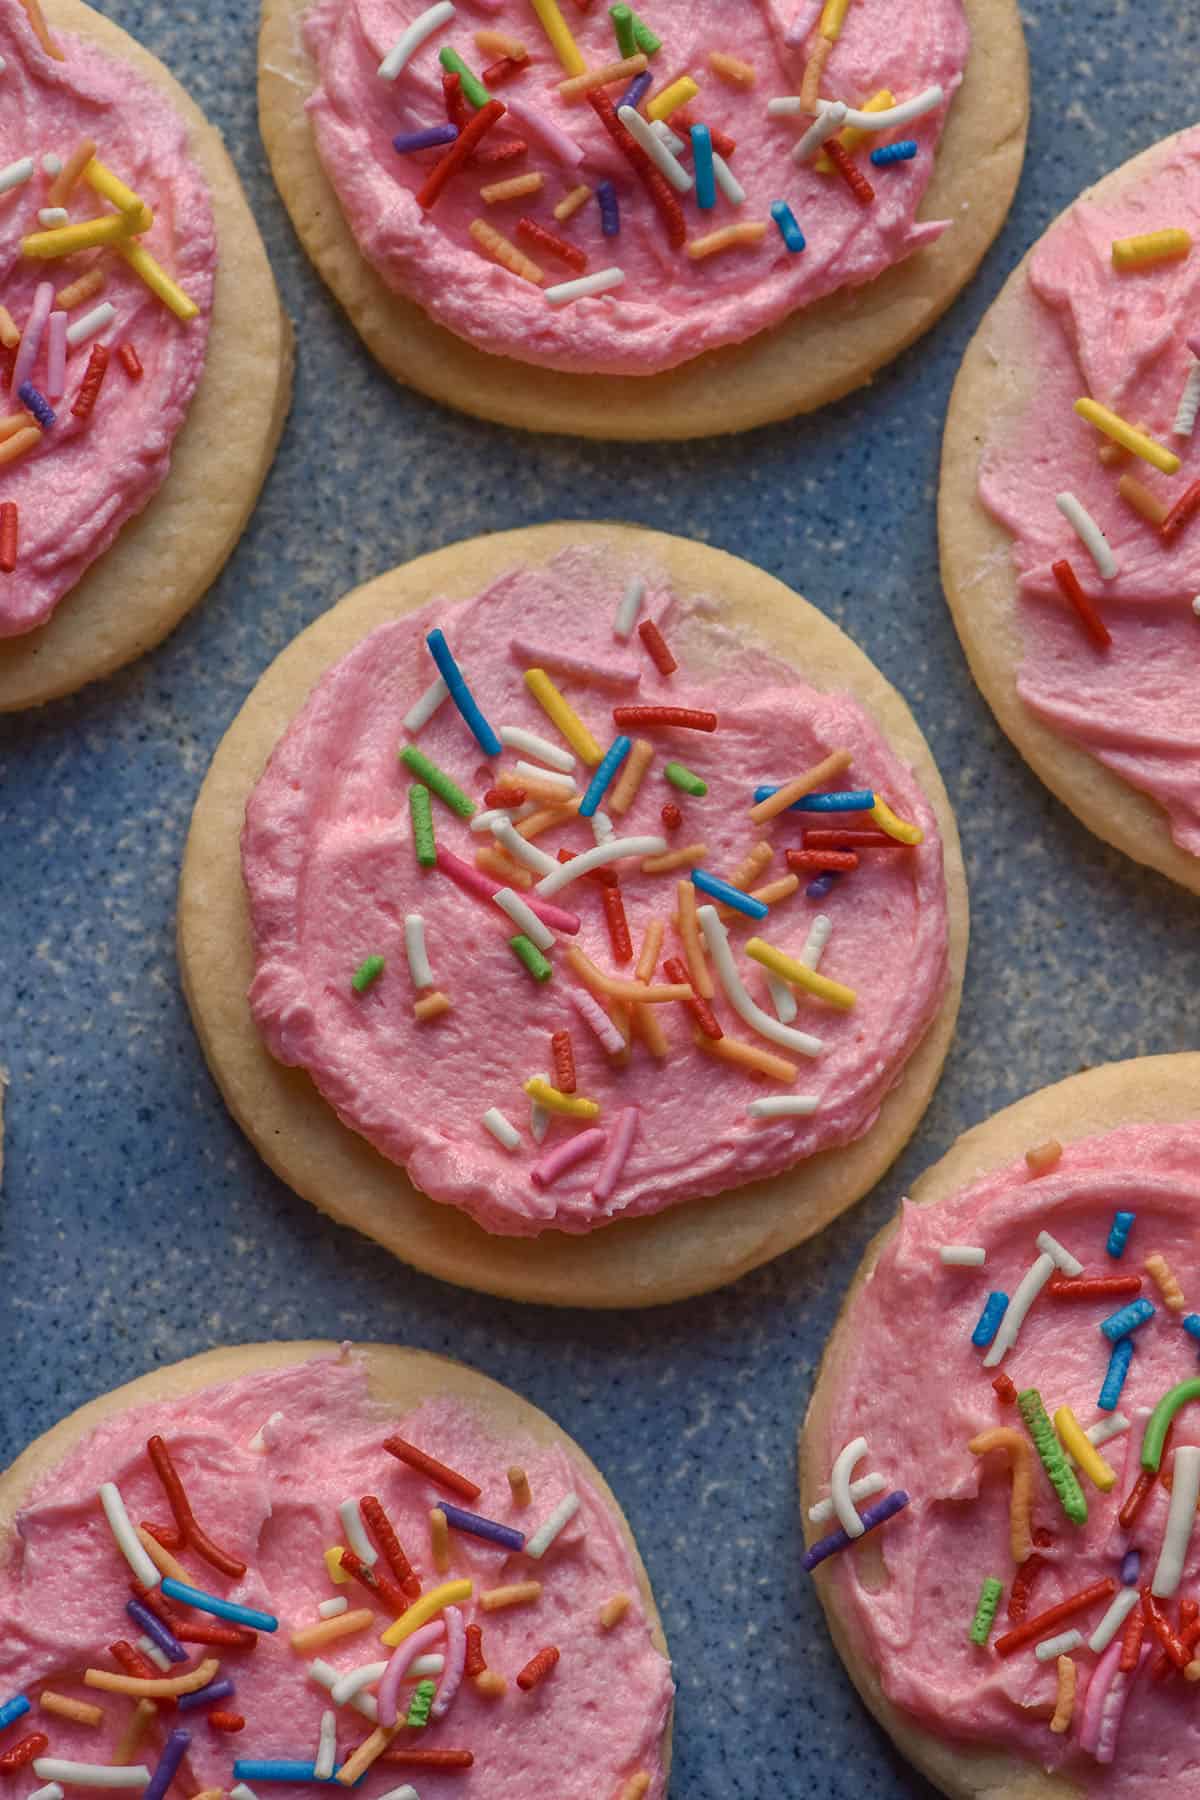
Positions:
{"x": 278, "y": 1769}
{"x": 37, "y": 404}
{"x": 205, "y": 1696}
{"x": 154, "y": 1629}
{"x": 1114, "y": 1381}
{"x": 1131, "y": 1568}
{"x": 994, "y": 1309}
{"x": 479, "y": 1527}
{"x": 716, "y": 889}
{"x": 820, "y": 885}
{"x": 702, "y": 167}
{"x": 1191, "y": 1324}
{"x": 856, "y": 800}
{"x": 172, "y": 1755}
{"x": 610, "y": 211}
{"x": 461, "y": 694}
{"x": 432, "y": 138}
{"x": 1119, "y": 1233}
{"x": 894, "y": 153}
{"x": 12, "y": 1710}
{"x": 601, "y": 781}
{"x": 1120, "y": 1324}
{"x": 220, "y": 1609}
{"x": 637, "y": 90}
{"x": 789, "y": 231}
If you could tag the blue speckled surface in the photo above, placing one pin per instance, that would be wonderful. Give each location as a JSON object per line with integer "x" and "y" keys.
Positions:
{"x": 136, "y": 1226}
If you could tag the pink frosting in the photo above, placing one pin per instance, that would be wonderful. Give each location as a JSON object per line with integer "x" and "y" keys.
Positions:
{"x": 669, "y": 308}
{"x": 912, "y": 1623}
{"x": 85, "y": 480}
{"x": 1121, "y": 338}
{"x": 330, "y": 869}
{"x": 598, "y": 1720}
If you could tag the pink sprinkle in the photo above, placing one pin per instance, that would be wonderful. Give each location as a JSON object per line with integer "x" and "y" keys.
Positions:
{"x": 56, "y": 356}
{"x": 593, "y": 1014}
{"x": 1112, "y": 1709}
{"x": 617, "y": 675}
{"x": 474, "y": 881}
{"x": 545, "y": 1173}
{"x": 31, "y": 337}
{"x": 618, "y": 1150}
{"x": 556, "y": 141}
{"x": 401, "y": 1657}
{"x": 456, "y": 1658}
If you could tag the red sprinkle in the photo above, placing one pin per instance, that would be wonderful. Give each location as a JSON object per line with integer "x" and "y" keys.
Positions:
{"x": 200, "y": 1542}
{"x": 497, "y": 73}
{"x": 1006, "y": 1393}
{"x": 1092, "y": 1287}
{"x": 166, "y": 1535}
{"x": 1137, "y": 1497}
{"x": 1042, "y": 1625}
{"x": 672, "y": 818}
{"x": 500, "y": 150}
{"x": 618, "y": 924}
{"x": 232, "y": 1637}
{"x": 381, "y": 1529}
{"x": 458, "y": 152}
{"x": 563, "y": 1052}
{"x": 657, "y": 648}
{"x": 476, "y": 1662}
{"x": 1022, "y": 1587}
{"x": 155, "y": 1600}
{"x": 457, "y": 110}
{"x": 428, "y": 1465}
{"x": 431, "y": 1759}
{"x": 542, "y": 238}
{"x": 1159, "y": 1623}
{"x": 505, "y": 796}
{"x": 1184, "y": 509}
{"x": 1189, "y": 1633}
{"x": 537, "y": 1668}
{"x": 226, "y": 1721}
{"x": 822, "y": 838}
{"x": 676, "y": 971}
{"x": 686, "y": 716}
{"x": 387, "y": 1590}
{"x": 134, "y": 1663}
{"x": 682, "y": 122}
{"x": 801, "y": 862}
{"x": 34, "y": 1745}
{"x": 849, "y": 171}
{"x": 131, "y": 362}
{"x": 89, "y": 387}
{"x": 1068, "y": 582}
{"x": 655, "y": 184}
{"x": 8, "y": 536}
{"x": 1131, "y": 1641}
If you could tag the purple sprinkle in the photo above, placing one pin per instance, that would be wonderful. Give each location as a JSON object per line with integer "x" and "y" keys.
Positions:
{"x": 432, "y": 138}
{"x": 37, "y": 404}
{"x": 154, "y": 1628}
{"x": 820, "y": 885}
{"x": 216, "y": 1690}
{"x": 610, "y": 212}
{"x": 871, "y": 1516}
{"x": 637, "y": 90}
{"x": 1131, "y": 1564}
{"x": 164, "y": 1774}
{"x": 479, "y": 1527}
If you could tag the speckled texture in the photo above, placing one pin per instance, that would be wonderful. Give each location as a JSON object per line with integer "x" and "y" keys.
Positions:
{"x": 118, "y": 1143}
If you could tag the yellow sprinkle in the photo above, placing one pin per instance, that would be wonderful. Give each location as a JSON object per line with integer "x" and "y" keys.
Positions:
{"x": 557, "y": 31}
{"x": 900, "y": 829}
{"x": 518, "y": 1481}
{"x": 1161, "y": 1273}
{"x": 439, "y": 1540}
{"x": 518, "y": 1593}
{"x": 1115, "y": 427}
{"x": 670, "y": 99}
{"x": 506, "y": 254}
{"x": 314, "y": 1637}
{"x": 564, "y": 716}
{"x": 833, "y": 18}
{"x": 1044, "y": 1157}
{"x": 799, "y": 975}
{"x": 572, "y": 1106}
{"x": 10, "y": 337}
{"x": 1150, "y": 247}
{"x": 851, "y": 136}
{"x": 20, "y": 442}
{"x": 570, "y": 203}
{"x": 1064, "y": 1705}
{"x": 1076, "y": 1444}
{"x": 613, "y": 1611}
{"x": 514, "y": 189}
{"x": 333, "y": 1565}
{"x": 101, "y": 179}
{"x": 751, "y": 231}
{"x": 65, "y": 240}
{"x": 578, "y": 85}
{"x": 159, "y": 282}
{"x": 731, "y": 69}
{"x": 76, "y": 292}
{"x": 422, "y": 1610}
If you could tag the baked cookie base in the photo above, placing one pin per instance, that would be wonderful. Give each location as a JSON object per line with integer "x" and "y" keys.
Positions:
{"x": 686, "y": 1249}
{"x": 170, "y": 553}
{"x": 1147, "y": 1090}
{"x": 815, "y": 357}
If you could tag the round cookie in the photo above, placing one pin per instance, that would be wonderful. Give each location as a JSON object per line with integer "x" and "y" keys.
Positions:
{"x": 683, "y": 1250}
{"x": 1157, "y": 1090}
{"x": 814, "y": 357}
{"x": 400, "y": 1380}
{"x": 126, "y": 601}
{"x": 992, "y": 391}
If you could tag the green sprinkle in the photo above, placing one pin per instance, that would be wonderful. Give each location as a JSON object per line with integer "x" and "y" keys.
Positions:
{"x": 447, "y": 791}
{"x": 422, "y": 824}
{"x": 622, "y": 18}
{"x": 645, "y": 38}
{"x": 526, "y": 951}
{"x": 473, "y": 89}
{"x": 985, "y": 1612}
{"x": 419, "y": 1705}
{"x": 1063, "y": 1478}
{"x": 683, "y": 778}
{"x": 366, "y": 973}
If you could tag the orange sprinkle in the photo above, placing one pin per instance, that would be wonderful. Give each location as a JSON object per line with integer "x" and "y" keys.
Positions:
{"x": 369, "y": 1751}
{"x": 810, "y": 87}
{"x": 37, "y": 21}
{"x": 430, "y": 1006}
{"x": 688, "y": 927}
{"x": 746, "y": 1056}
{"x": 82, "y": 1712}
{"x": 647, "y": 960}
{"x": 76, "y": 292}
{"x": 495, "y": 862}
{"x": 624, "y": 792}
{"x": 570, "y": 203}
{"x": 498, "y": 43}
{"x": 61, "y": 187}
{"x": 1136, "y": 494}
{"x": 517, "y": 1593}
{"x": 613, "y": 1611}
{"x": 827, "y": 770}
{"x": 731, "y": 69}
{"x": 647, "y": 1023}
{"x": 751, "y": 866}
{"x": 491, "y": 1684}
{"x": 514, "y": 189}
{"x": 615, "y": 989}
{"x": 10, "y": 337}
{"x": 518, "y": 1481}
{"x": 1044, "y": 1157}
{"x": 141, "y": 1719}
{"x": 546, "y": 820}
{"x": 635, "y": 1787}
{"x": 727, "y": 237}
{"x": 674, "y": 859}
{"x": 19, "y": 443}
{"x": 439, "y": 1540}
{"x": 505, "y": 253}
{"x": 577, "y": 86}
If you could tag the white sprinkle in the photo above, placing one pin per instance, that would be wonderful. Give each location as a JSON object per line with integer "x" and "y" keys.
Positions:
{"x": 728, "y": 182}
{"x": 97, "y": 320}
{"x": 602, "y": 827}
{"x": 815, "y": 942}
{"x": 53, "y": 216}
{"x": 1104, "y": 1429}
{"x": 1189, "y": 404}
{"x": 666, "y": 136}
{"x": 52, "y": 165}
{"x": 330, "y": 1609}
{"x": 13, "y": 176}
{"x": 504, "y": 1133}
{"x": 782, "y": 998}
{"x": 412, "y": 39}
{"x": 827, "y": 124}
{"x": 560, "y": 875}
{"x": 1089, "y": 534}
{"x": 783, "y": 1106}
{"x": 655, "y": 149}
{"x": 326, "y": 1755}
{"x": 539, "y": 1541}
{"x": 324, "y": 1674}
{"x": 414, "y": 949}
{"x": 1185, "y": 1491}
{"x": 1028, "y": 1289}
{"x": 242, "y": 1792}
{"x": 839, "y": 1483}
{"x": 784, "y": 106}
{"x": 550, "y": 778}
{"x": 1114, "y": 1618}
{"x": 1070, "y": 1265}
{"x": 515, "y": 737}
{"x": 962, "y": 1256}
{"x": 628, "y": 608}
{"x": 355, "y": 1680}
{"x": 401, "y": 1793}
{"x": 506, "y": 833}
{"x": 717, "y": 939}
{"x": 128, "y": 1542}
{"x": 539, "y": 1115}
{"x": 433, "y": 1664}
{"x": 260, "y": 1443}
{"x": 1062, "y": 1645}
{"x": 599, "y": 283}
{"x": 482, "y": 822}
{"x": 1196, "y": 606}
{"x": 862, "y": 1489}
{"x": 426, "y": 706}
{"x": 51, "y": 1791}
{"x": 356, "y": 1533}
{"x": 158, "y": 1657}
{"x": 81, "y": 1774}
{"x": 594, "y": 1015}
{"x": 524, "y": 918}
{"x": 920, "y": 103}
